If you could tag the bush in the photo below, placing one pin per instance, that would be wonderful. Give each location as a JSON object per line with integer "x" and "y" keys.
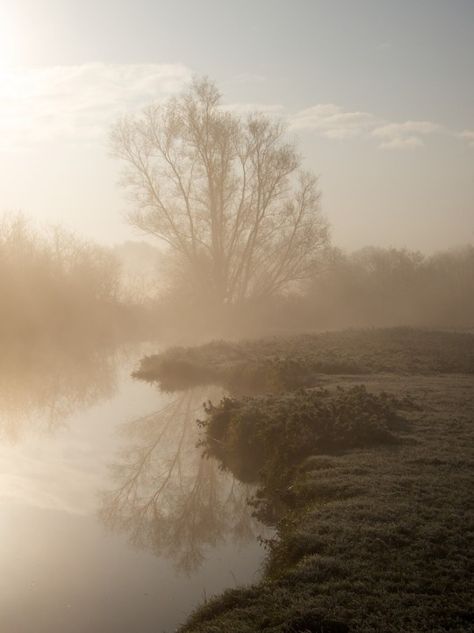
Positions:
{"x": 266, "y": 437}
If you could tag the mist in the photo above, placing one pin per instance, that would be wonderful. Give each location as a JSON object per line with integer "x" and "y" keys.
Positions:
{"x": 236, "y": 317}
{"x": 65, "y": 291}
{"x": 372, "y": 287}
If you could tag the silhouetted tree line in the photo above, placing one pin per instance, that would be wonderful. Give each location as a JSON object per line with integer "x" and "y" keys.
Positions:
{"x": 385, "y": 287}
{"x": 370, "y": 287}
{"x": 54, "y": 285}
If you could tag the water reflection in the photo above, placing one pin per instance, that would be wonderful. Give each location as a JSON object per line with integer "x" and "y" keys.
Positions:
{"x": 164, "y": 495}
{"x": 43, "y": 385}
{"x": 62, "y": 570}
{"x": 167, "y": 497}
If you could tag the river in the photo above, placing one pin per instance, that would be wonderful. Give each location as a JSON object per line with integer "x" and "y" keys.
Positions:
{"x": 110, "y": 519}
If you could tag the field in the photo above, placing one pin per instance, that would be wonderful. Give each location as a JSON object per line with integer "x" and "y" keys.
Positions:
{"x": 367, "y": 475}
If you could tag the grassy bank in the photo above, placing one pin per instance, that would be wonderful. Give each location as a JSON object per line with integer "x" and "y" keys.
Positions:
{"x": 368, "y": 476}
{"x": 286, "y": 363}
{"x": 375, "y": 538}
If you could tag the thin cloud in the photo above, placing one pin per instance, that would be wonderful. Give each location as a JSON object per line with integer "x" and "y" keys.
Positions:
{"x": 406, "y": 135}
{"x": 468, "y": 135}
{"x": 333, "y": 122}
{"x": 248, "y": 108}
{"x": 407, "y": 142}
{"x": 77, "y": 102}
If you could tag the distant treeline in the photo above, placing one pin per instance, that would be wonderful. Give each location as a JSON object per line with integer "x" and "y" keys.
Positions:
{"x": 54, "y": 285}
{"x": 373, "y": 287}
{"x": 388, "y": 287}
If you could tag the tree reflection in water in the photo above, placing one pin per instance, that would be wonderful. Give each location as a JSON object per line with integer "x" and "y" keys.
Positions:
{"x": 43, "y": 385}
{"x": 168, "y": 497}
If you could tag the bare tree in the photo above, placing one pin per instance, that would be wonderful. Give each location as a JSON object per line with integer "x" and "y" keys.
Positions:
{"x": 225, "y": 193}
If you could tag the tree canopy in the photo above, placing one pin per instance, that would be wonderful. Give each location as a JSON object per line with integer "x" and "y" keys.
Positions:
{"x": 225, "y": 192}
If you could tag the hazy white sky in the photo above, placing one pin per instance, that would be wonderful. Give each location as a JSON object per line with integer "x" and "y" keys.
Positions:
{"x": 379, "y": 94}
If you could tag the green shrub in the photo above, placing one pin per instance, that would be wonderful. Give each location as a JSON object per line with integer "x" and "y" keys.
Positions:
{"x": 267, "y": 437}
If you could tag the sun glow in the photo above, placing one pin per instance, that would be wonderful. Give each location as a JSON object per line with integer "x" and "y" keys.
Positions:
{"x": 12, "y": 39}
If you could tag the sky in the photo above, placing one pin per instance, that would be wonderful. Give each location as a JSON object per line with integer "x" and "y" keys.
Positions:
{"x": 378, "y": 95}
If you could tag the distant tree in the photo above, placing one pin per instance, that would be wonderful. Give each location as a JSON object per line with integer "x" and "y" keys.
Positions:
{"x": 226, "y": 194}
{"x": 53, "y": 284}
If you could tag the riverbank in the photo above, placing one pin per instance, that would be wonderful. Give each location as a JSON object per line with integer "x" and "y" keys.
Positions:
{"x": 288, "y": 362}
{"x": 371, "y": 494}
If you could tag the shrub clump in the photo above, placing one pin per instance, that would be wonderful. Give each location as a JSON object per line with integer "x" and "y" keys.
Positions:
{"x": 267, "y": 437}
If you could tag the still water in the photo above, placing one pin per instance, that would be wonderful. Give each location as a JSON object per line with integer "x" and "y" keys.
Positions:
{"x": 110, "y": 519}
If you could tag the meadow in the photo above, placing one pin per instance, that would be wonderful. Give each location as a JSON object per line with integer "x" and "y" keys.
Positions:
{"x": 366, "y": 474}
